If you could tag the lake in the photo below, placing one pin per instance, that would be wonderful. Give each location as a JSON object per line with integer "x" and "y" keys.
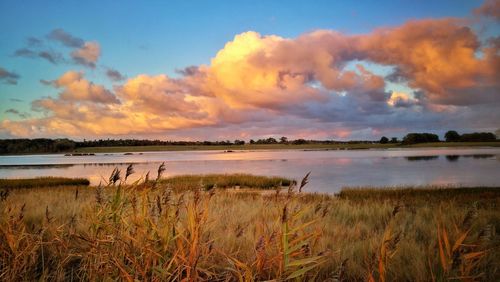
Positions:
{"x": 330, "y": 169}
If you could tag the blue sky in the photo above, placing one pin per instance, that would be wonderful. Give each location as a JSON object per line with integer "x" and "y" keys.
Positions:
{"x": 160, "y": 37}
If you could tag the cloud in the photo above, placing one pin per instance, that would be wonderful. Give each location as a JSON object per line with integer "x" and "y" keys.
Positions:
{"x": 8, "y": 77}
{"x": 188, "y": 71}
{"x": 25, "y": 52}
{"x": 158, "y": 95}
{"x": 65, "y": 38}
{"x": 84, "y": 53}
{"x": 49, "y": 55}
{"x": 438, "y": 57}
{"x": 401, "y": 100}
{"x": 267, "y": 84}
{"x": 12, "y": 111}
{"x": 87, "y": 55}
{"x": 490, "y": 8}
{"x": 114, "y": 75}
{"x": 33, "y": 41}
{"x": 17, "y": 113}
{"x": 76, "y": 88}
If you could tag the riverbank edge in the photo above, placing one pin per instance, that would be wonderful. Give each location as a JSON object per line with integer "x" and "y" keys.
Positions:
{"x": 257, "y": 147}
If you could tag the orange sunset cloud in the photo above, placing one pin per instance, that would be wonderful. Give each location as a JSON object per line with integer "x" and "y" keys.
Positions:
{"x": 257, "y": 77}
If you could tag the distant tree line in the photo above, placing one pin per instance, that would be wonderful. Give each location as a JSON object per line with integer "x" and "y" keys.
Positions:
{"x": 385, "y": 140}
{"x": 34, "y": 146}
{"x": 453, "y": 136}
{"x": 450, "y": 136}
{"x": 44, "y": 145}
{"x": 145, "y": 142}
{"x": 414, "y": 138}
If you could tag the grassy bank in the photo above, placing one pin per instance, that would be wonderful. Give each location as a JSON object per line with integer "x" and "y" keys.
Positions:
{"x": 281, "y": 147}
{"x": 42, "y": 182}
{"x": 431, "y": 193}
{"x": 156, "y": 234}
{"x": 209, "y": 181}
{"x": 454, "y": 144}
{"x": 229, "y": 147}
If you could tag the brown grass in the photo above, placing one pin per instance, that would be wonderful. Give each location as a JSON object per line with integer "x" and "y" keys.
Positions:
{"x": 137, "y": 232}
{"x": 209, "y": 181}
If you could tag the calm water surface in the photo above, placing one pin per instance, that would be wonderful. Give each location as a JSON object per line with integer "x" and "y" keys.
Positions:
{"x": 330, "y": 170}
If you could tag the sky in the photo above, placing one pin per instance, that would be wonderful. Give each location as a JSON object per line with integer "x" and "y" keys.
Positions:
{"x": 217, "y": 70}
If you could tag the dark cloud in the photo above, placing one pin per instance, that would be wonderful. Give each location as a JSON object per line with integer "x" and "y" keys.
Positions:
{"x": 114, "y": 75}
{"x": 12, "y": 111}
{"x": 65, "y": 38}
{"x": 25, "y": 52}
{"x": 46, "y": 82}
{"x": 8, "y": 77}
{"x": 401, "y": 103}
{"x": 33, "y": 41}
{"x": 188, "y": 71}
{"x": 83, "y": 53}
{"x": 397, "y": 76}
{"x": 490, "y": 8}
{"x": 87, "y": 55}
{"x": 51, "y": 56}
{"x": 494, "y": 42}
{"x": 17, "y": 113}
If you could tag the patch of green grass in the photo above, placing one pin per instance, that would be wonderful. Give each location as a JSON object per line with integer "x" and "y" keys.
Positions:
{"x": 186, "y": 182}
{"x": 42, "y": 182}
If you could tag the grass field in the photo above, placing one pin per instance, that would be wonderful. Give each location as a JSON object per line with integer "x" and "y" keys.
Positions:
{"x": 178, "y": 183}
{"x": 209, "y": 181}
{"x": 281, "y": 147}
{"x": 149, "y": 231}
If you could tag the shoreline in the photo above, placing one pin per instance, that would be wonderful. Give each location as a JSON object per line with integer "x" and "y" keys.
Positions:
{"x": 240, "y": 183}
{"x": 278, "y": 147}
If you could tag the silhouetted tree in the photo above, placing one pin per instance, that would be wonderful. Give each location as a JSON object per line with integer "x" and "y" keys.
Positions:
{"x": 452, "y": 136}
{"x": 414, "y": 138}
{"x": 239, "y": 142}
{"x": 299, "y": 141}
{"x": 384, "y": 140}
{"x": 394, "y": 140}
{"x": 283, "y": 140}
{"x": 478, "y": 137}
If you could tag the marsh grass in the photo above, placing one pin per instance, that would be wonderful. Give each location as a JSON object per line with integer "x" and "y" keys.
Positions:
{"x": 152, "y": 232}
{"x": 209, "y": 181}
{"x": 42, "y": 182}
{"x": 431, "y": 193}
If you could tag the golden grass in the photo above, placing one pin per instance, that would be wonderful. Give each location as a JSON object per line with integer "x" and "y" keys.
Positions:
{"x": 138, "y": 232}
{"x": 209, "y": 181}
